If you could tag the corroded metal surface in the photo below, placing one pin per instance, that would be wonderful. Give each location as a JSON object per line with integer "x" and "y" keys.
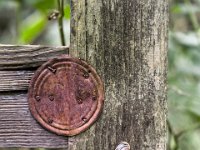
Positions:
{"x": 66, "y": 95}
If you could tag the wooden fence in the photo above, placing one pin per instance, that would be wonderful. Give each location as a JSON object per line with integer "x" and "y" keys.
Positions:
{"x": 126, "y": 42}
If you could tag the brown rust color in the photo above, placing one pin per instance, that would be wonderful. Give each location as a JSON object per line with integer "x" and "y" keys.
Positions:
{"x": 66, "y": 95}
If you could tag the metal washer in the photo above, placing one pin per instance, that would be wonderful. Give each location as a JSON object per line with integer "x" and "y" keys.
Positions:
{"x": 66, "y": 95}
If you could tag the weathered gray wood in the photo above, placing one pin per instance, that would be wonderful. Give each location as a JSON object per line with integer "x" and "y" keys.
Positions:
{"x": 23, "y": 57}
{"x": 126, "y": 41}
{"x": 19, "y": 129}
{"x": 17, "y": 126}
{"x": 29, "y": 56}
{"x": 15, "y": 80}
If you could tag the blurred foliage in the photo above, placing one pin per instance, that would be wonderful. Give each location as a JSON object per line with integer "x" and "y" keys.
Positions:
{"x": 26, "y": 22}
{"x": 184, "y": 76}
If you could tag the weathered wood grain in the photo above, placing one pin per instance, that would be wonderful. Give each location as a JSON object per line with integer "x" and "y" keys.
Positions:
{"x": 17, "y": 126}
{"x": 27, "y": 57}
{"x": 15, "y": 80}
{"x": 19, "y": 129}
{"x": 126, "y": 41}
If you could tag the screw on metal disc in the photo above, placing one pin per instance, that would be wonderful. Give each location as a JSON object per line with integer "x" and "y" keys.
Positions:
{"x": 66, "y": 95}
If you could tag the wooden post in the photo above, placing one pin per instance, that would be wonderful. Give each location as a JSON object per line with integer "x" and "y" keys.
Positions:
{"x": 126, "y": 41}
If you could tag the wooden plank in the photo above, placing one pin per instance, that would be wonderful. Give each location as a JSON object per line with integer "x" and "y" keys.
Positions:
{"x": 126, "y": 41}
{"x": 23, "y": 57}
{"x": 15, "y": 80}
{"x": 29, "y": 56}
{"x": 19, "y": 129}
{"x": 17, "y": 126}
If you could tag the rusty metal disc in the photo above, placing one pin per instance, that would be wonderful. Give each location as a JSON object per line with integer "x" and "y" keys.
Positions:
{"x": 66, "y": 95}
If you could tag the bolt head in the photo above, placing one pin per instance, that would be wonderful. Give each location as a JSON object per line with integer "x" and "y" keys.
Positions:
{"x": 38, "y": 98}
{"x": 94, "y": 98}
{"x": 51, "y": 97}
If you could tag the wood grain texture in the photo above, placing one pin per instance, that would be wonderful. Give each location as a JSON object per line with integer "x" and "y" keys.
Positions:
{"x": 19, "y": 129}
{"x": 27, "y": 57}
{"x": 18, "y": 63}
{"x": 126, "y": 41}
{"x": 15, "y": 80}
{"x": 17, "y": 126}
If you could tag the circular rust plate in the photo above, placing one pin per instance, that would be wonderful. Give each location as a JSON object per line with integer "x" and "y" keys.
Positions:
{"x": 66, "y": 95}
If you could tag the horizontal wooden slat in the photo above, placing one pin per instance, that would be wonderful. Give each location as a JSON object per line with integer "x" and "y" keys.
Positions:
{"x": 18, "y": 128}
{"x": 20, "y": 57}
{"x": 15, "y": 80}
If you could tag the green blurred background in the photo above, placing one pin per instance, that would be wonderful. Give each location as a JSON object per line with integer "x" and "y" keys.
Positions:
{"x": 26, "y": 22}
{"x": 184, "y": 75}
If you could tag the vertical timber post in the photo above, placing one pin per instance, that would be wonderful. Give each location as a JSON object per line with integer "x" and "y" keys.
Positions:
{"x": 126, "y": 41}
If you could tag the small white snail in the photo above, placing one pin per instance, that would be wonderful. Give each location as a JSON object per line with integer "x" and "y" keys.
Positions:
{"x": 123, "y": 146}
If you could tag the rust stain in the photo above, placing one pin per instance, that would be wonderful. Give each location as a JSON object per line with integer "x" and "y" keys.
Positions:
{"x": 66, "y": 95}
